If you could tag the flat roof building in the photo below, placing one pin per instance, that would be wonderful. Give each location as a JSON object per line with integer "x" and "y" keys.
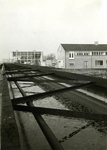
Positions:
{"x": 26, "y": 57}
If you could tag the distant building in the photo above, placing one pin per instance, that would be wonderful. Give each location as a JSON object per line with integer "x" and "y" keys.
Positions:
{"x": 43, "y": 63}
{"x": 50, "y": 62}
{"x": 77, "y": 56}
{"x": 26, "y": 57}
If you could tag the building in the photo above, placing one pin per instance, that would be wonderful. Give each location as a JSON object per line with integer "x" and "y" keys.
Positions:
{"x": 26, "y": 57}
{"x": 78, "y": 56}
{"x": 50, "y": 62}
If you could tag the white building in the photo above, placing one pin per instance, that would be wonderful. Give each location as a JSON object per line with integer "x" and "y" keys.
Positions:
{"x": 79, "y": 56}
{"x": 26, "y": 57}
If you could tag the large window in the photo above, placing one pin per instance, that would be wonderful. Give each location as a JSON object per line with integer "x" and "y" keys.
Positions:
{"x": 98, "y": 53}
{"x": 98, "y": 62}
{"x": 83, "y": 53}
{"x": 71, "y": 55}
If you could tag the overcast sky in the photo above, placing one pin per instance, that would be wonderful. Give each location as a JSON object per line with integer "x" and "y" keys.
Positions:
{"x": 44, "y": 24}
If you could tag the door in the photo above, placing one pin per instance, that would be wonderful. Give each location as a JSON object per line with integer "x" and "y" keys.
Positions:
{"x": 85, "y": 64}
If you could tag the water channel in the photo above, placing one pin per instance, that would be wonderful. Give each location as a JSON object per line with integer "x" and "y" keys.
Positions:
{"x": 72, "y": 133}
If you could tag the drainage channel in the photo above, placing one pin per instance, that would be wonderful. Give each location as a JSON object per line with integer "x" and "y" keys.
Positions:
{"x": 93, "y": 94}
{"x": 70, "y": 132}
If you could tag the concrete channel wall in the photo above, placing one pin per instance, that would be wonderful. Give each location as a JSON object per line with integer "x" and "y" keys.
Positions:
{"x": 0, "y": 101}
{"x": 16, "y": 145}
{"x": 9, "y": 132}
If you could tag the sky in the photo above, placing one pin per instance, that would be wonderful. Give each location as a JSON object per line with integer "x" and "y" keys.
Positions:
{"x": 45, "y": 24}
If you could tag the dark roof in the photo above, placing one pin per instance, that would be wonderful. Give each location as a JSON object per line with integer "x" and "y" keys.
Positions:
{"x": 85, "y": 47}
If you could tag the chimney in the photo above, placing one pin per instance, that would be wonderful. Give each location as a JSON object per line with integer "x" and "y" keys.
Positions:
{"x": 96, "y": 42}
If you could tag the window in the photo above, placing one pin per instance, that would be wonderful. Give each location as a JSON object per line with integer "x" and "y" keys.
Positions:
{"x": 71, "y": 55}
{"x": 94, "y": 53}
{"x": 22, "y": 53}
{"x": 86, "y": 54}
{"x": 71, "y": 64}
{"x": 98, "y": 62}
{"x": 102, "y": 53}
{"x": 98, "y": 53}
{"x": 37, "y": 56}
{"x": 83, "y": 53}
{"x": 14, "y": 53}
{"x": 18, "y": 53}
{"x": 80, "y": 54}
{"x": 25, "y": 57}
